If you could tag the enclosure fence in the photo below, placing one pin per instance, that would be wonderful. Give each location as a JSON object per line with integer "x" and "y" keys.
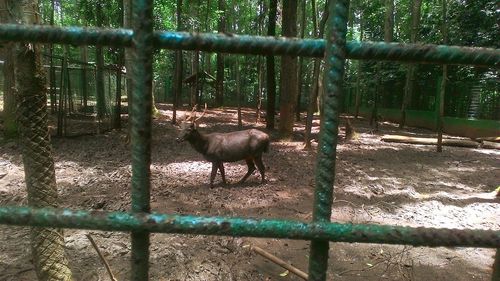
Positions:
{"x": 141, "y": 222}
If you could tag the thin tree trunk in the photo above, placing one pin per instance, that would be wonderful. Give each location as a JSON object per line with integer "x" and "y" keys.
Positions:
{"x": 118, "y": 94}
{"x": 238, "y": 92}
{"x": 83, "y": 77}
{"x": 219, "y": 91}
{"x": 258, "y": 96}
{"x": 47, "y": 244}
{"x": 194, "y": 86}
{"x": 412, "y": 69}
{"x": 301, "y": 59}
{"x": 288, "y": 78}
{"x": 52, "y": 70}
{"x": 177, "y": 83}
{"x": 100, "y": 98}
{"x": 127, "y": 23}
{"x": 10, "y": 124}
{"x": 313, "y": 97}
{"x": 271, "y": 78}
{"x": 388, "y": 37}
{"x": 360, "y": 69}
{"x": 442, "y": 90}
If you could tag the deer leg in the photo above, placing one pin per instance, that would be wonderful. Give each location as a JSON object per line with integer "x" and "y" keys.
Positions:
{"x": 221, "y": 169}
{"x": 251, "y": 168}
{"x": 260, "y": 165}
{"x": 213, "y": 174}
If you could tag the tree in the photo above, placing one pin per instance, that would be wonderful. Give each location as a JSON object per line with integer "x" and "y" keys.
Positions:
{"x": 47, "y": 243}
{"x": 288, "y": 94}
{"x": 444, "y": 77}
{"x": 271, "y": 78}
{"x": 219, "y": 84}
{"x": 260, "y": 65}
{"x": 119, "y": 66}
{"x": 388, "y": 37}
{"x": 301, "y": 59}
{"x": 313, "y": 96}
{"x": 9, "y": 107}
{"x": 100, "y": 98}
{"x": 411, "y": 74}
{"x": 177, "y": 84}
{"x": 357, "y": 101}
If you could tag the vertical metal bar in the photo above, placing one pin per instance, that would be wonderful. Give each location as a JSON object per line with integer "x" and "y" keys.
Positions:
{"x": 325, "y": 171}
{"x": 141, "y": 129}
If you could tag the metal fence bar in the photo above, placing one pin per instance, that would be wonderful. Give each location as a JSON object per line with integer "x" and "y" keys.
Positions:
{"x": 325, "y": 170}
{"x": 142, "y": 13}
{"x": 256, "y": 45}
{"x": 246, "y": 227}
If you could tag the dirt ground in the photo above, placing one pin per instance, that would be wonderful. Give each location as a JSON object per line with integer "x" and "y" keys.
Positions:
{"x": 376, "y": 182}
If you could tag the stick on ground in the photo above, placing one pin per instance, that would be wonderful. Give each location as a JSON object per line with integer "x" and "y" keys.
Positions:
{"x": 103, "y": 260}
{"x": 280, "y": 262}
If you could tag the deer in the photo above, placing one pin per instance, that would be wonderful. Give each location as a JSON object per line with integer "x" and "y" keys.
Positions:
{"x": 218, "y": 148}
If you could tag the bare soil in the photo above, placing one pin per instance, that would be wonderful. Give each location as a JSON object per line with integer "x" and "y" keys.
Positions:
{"x": 376, "y": 182}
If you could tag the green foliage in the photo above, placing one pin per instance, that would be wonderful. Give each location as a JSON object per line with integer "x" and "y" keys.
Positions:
{"x": 471, "y": 23}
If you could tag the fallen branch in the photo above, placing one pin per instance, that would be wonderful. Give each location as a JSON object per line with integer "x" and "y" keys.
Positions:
{"x": 433, "y": 141}
{"x": 279, "y": 262}
{"x": 103, "y": 260}
{"x": 492, "y": 139}
{"x": 490, "y": 145}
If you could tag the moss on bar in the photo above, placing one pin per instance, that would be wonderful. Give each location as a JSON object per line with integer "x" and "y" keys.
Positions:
{"x": 233, "y": 226}
{"x": 256, "y": 45}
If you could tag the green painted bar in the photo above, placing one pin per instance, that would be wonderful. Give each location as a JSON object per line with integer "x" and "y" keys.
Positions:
{"x": 240, "y": 227}
{"x": 328, "y": 138}
{"x": 142, "y": 76}
{"x": 257, "y": 45}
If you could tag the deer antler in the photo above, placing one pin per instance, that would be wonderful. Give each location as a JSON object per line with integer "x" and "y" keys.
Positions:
{"x": 190, "y": 116}
{"x": 204, "y": 111}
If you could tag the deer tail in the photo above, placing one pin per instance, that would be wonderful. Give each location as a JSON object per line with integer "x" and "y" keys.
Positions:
{"x": 266, "y": 146}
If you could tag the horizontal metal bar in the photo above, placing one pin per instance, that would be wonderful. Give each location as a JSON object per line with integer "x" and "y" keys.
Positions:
{"x": 66, "y": 35}
{"x": 230, "y": 226}
{"x": 256, "y": 45}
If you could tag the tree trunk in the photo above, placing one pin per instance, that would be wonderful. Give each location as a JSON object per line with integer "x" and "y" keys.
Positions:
{"x": 260, "y": 87}
{"x": 47, "y": 244}
{"x": 127, "y": 23}
{"x": 442, "y": 90}
{"x": 271, "y": 78}
{"x": 100, "y": 98}
{"x": 52, "y": 70}
{"x": 360, "y": 69}
{"x": 238, "y": 92}
{"x": 219, "y": 91}
{"x": 313, "y": 96}
{"x": 177, "y": 83}
{"x": 205, "y": 58}
{"x": 10, "y": 124}
{"x": 195, "y": 70}
{"x": 260, "y": 65}
{"x": 288, "y": 95}
{"x": 388, "y": 37}
{"x": 412, "y": 69}
{"x": 119, "y": 64}
{"x": 301, "y": 59}
{"x": 83, "y": 77}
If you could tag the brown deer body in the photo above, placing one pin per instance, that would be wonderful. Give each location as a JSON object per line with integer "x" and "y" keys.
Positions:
{"x": 218, "y": 148}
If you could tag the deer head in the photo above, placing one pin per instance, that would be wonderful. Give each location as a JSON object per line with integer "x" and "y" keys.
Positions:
{"x": 189, "y": 125}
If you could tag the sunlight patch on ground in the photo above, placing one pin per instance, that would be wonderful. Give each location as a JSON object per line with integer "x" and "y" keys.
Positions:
{"x": 487, "y": 151}
{"x": 437, "y": 214}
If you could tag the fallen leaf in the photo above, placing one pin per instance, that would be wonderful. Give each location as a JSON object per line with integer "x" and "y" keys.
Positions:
{"x": 283, "y": 274}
